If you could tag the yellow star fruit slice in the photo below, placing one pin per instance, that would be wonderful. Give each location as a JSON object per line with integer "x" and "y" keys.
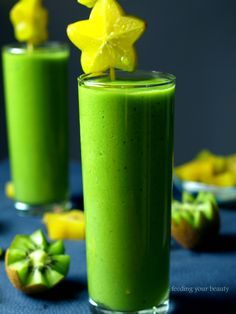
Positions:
{"x": 65, "y": 226}
{"x": 9, "y": 190}
{"x": 88, "y": 3}
{"x": 107, "y": 38}
{"x": 30, "y": 20}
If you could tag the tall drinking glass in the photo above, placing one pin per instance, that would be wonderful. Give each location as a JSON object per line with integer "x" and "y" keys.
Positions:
{"x": 127, "y": 153}
{"x": 36, "y": 94}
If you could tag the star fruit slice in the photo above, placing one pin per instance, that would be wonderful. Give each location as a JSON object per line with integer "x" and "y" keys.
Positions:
{"x": 30, "y": 20}
{"x": 88, "y": 3}
{"x": 107, "y": 38}
{"x": 9, "y": 190}
{"x": 66, "y": 225}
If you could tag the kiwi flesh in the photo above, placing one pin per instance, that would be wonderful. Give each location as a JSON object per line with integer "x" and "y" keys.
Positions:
{"x": 195, "y": 220}
{"x": 34, "y": 265}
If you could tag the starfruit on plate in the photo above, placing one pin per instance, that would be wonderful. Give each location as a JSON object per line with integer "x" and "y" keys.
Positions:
{"x": 210, "y": 169}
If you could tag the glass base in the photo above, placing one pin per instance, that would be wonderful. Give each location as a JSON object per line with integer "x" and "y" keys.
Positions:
{"x": 160, "y": 309}
{"x": 27, "y": 209}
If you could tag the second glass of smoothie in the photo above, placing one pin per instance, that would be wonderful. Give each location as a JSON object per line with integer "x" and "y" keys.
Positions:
{"x": 36, "y": 94}
{"x": 127, "y": 154}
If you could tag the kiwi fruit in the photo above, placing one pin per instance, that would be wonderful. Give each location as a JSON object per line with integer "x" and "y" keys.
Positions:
{"x": 34, "y": 265}
{"x": 195, "y": 221}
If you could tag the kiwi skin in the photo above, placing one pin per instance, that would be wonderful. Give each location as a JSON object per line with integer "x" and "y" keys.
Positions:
{"x": 15, "y": 280}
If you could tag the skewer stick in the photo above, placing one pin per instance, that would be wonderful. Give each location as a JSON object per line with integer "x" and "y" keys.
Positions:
{"x": 30, "y": 47}
{"x": 112, "y": 74}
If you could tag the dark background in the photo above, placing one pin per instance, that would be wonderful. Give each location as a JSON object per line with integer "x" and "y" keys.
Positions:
{"x": 195, "y": 40}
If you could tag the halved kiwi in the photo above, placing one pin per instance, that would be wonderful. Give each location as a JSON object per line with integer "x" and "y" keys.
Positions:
{"x": 34, "y": 265}
{"x": 195, "y": 220}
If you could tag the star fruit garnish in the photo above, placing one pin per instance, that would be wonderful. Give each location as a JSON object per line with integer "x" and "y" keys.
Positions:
{"x": 30, "y": 20}
{"x": 107, "y": 38}
{"x": 88, "y": 3}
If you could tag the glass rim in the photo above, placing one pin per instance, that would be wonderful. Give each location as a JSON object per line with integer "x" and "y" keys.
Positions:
{"x": 89, "y": 80}
{"x": 21, "y": 48}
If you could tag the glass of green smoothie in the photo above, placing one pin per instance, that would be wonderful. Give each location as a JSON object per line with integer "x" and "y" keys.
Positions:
{"x": 36, "y": 95}
{"x": 127, "y": 152}
{"x": 35, "y": 76}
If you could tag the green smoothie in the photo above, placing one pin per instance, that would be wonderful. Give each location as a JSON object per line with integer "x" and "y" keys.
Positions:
{"x": 127, "y": 152}
{"x": 36, "y": 94}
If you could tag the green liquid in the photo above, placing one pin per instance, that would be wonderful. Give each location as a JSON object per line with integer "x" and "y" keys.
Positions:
{"x": 127, "y": 151}
{"x": 36, "y": 93}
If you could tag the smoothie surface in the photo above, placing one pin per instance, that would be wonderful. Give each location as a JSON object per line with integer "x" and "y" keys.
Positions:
{"x": 128, "y": 81}
{"x": 45, "y": 51}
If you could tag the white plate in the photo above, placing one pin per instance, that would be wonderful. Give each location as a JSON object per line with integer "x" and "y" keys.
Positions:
{"x": 223, "y": 194}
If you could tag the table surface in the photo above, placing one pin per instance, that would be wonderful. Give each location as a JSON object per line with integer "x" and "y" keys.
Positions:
{"x": 201, "y": 282}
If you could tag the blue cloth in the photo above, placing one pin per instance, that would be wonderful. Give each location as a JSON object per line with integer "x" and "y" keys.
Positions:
{"x": 195, "y": 276}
